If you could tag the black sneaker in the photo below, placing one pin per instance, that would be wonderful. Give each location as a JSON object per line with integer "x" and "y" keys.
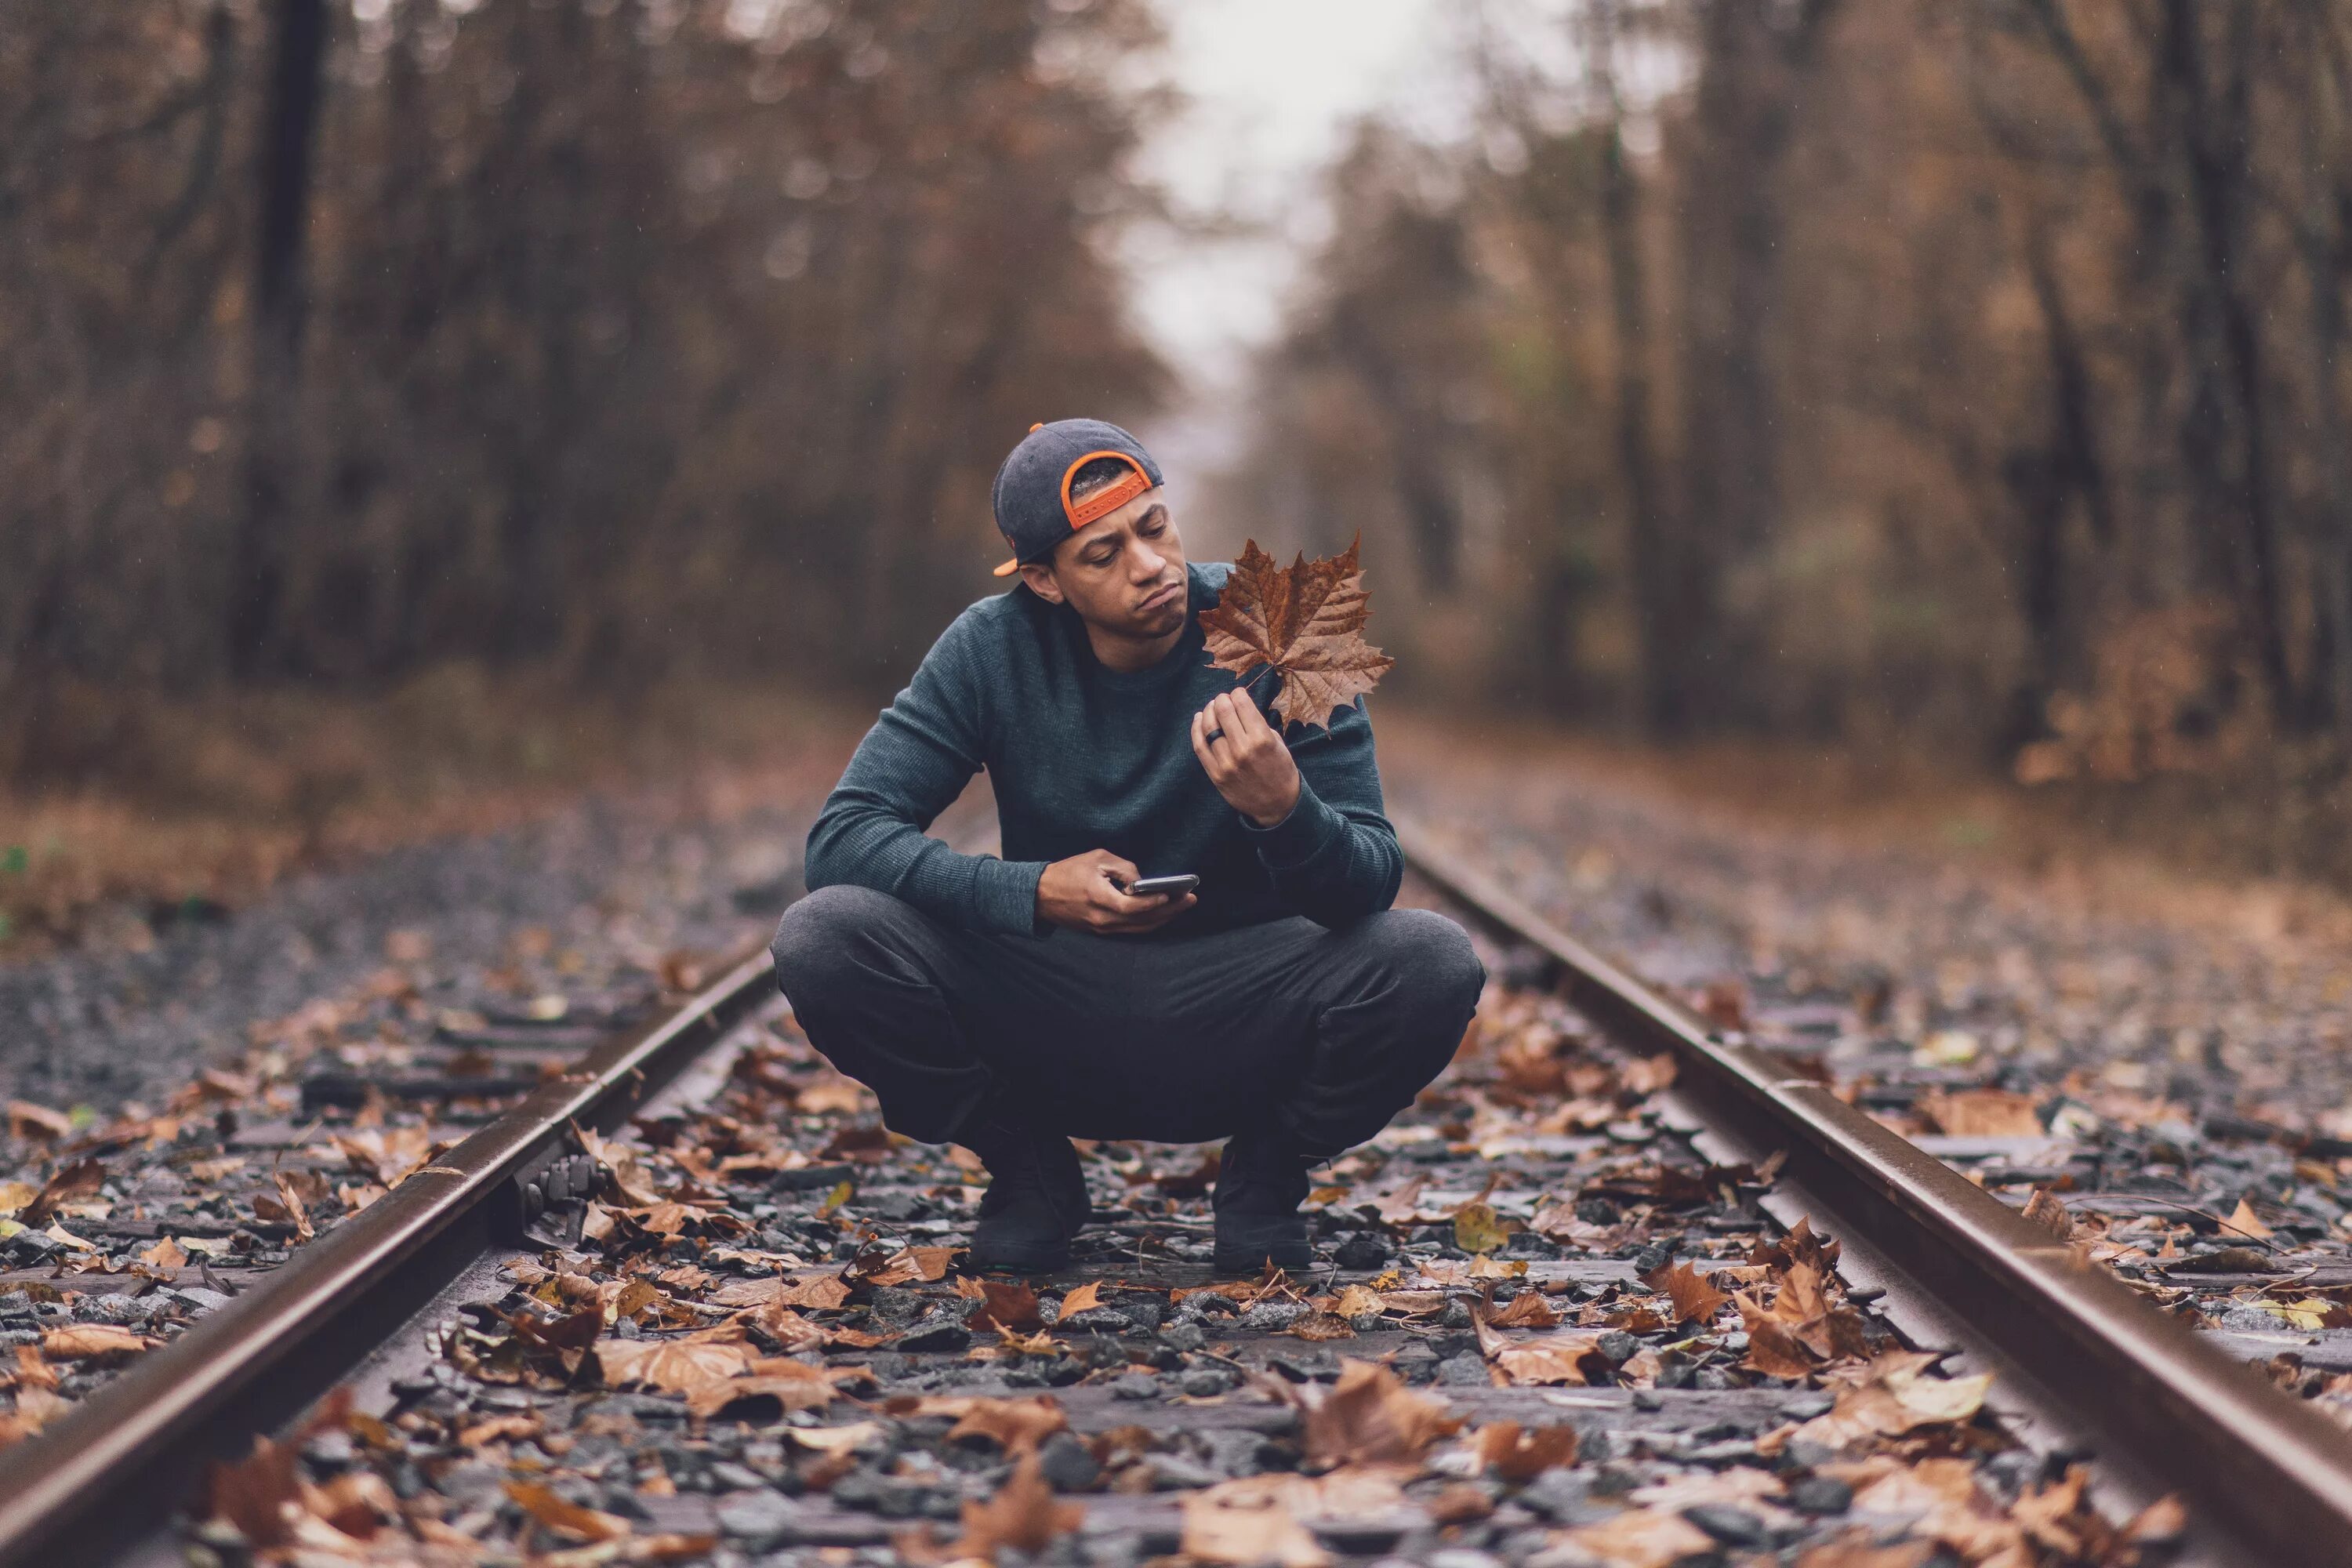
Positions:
{"x": 1260, "y": 1182}
{"x": 1036, "y": 1201}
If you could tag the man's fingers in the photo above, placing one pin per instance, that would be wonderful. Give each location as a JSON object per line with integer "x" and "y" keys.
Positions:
{"x": 1253, "y": 722}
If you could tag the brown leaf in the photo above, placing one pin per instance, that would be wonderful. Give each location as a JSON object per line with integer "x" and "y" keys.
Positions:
{"x": 28, "y": 1121}
{"x": 2045, "y": 1211}
{"x": 1774, "y": 1350}
{"x": 1016, "y": 1426}
{"x": 78, "y": 1180}
{"x": 1320, "y": 1327}
{"x": 1518, "y": 1454}
{"x": 165, "y": 1255}
{"x": 1547, "y": 1359}
{"x": 1369, "y": 1417}
{"x": 1306, "y": 620}
{"x": 1642, "y": 1538}
{"x": 1084, "y": 1298}
{"x": 1009, "y": 1305}
{"x": 1528, "y": 1309}
{"x": 569, "y": 1518}
{"x": 679, "y": 1366}
{"x": 2243, "y": 1221}
{"x": 792, "y": 1384}
{"x": 1695, "y": 1299}
{"x": 82, "y": 1342}
{"x": 1023, "y": 1514}
{"x": 1478, "y": 1228}
{"x": 1855, "y": 1550}
{"x": 254, "y": 1493}
{"x": 1982, "y": 1113}
{"x": 1250, "y": 1522}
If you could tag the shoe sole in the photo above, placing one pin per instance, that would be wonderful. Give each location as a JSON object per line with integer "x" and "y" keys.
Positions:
{"x": 1022, "y": 1259}
{"x": 1289, "y": 1259}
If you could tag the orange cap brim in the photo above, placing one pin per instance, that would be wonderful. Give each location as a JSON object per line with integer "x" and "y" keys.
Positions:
{"x": 1009, "y": 568}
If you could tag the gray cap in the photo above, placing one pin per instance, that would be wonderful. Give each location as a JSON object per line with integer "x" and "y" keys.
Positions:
{"x": 1032, "y": 494}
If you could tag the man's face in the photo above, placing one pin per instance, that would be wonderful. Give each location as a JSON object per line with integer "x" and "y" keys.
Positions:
{"x": 1123, "y": 573}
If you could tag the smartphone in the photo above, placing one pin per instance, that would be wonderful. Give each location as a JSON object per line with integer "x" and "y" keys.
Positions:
{"x": 1175, "y": 887}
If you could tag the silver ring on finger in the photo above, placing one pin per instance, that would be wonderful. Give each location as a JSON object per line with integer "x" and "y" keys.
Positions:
{"x": 1213, "y": 737}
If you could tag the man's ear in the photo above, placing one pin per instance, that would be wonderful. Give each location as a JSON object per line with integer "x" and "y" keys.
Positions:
{"x": 1041, "y": 583}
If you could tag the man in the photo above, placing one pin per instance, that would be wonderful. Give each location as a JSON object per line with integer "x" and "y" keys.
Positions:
{"x": 1009, "y": 1005}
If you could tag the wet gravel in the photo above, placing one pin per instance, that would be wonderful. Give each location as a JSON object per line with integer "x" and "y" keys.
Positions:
{"x": 608, "y": 888}
{"x": 1541, "y": 1329}
{"x": 2164, "y": 1080}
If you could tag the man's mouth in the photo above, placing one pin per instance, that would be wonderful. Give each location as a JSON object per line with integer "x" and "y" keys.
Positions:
{"x": 1163, "y": 597}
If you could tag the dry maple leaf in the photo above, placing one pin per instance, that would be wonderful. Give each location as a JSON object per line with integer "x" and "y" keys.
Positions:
{"x": 1011, "y": 1307}
{"x": 678, "y": 1367}
{"x": 1023, "y": 1514}
{"x": 85, "y": 1341}
{"x": 1306, "y": 620}
{"x": 1086, "y": 1297}
{"x": 582, "y": 1523}
{"x": 1519, "y": 1454}
{"x": 1642, "y": 1538}
{"x": 1696, "y": 1298}
{"x": 1369, "y": 1417}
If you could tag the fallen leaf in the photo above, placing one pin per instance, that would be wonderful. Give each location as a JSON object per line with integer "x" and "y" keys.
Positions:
{"x": 1009, "y": 1305}
{"x": 1320, "y": 1327}
{"x": 166, "y": 1255}
{"x": 2046, "y": 1212}
{"x": 2243, "y": 1221}
{"x": 1264, "y": 1519}
{"x": 15, "y": 1195}
{"x": 1518, "y": 1454}
{"x": 1642, "y": 1538}
{"x": 1016, "y": 1426}
{"x": 1369, "y": 1417}
{"x": 1306, "y": 621}
{"x": 1695, "y": 1299}
{"x": 570, "y": 1518}
{"x": 792, "y": 1384}
{"x": 26, "y": 1120}
{"x": 1892, "y": 1395}
{"x": 77, "y": 1180}
{"x": 1024, "y": 1514}
{"x": 1528, "y": 1309}
{"x": 834, "y": 1439}
{"x": 1856, "y": 1551}
{"x": 1478, "y": 1228}
{"x": 82, "y": 1342}
{"x": 1982, "y": 1113}
{"x": 1549, "y": 1358}
{"x": 677, "y": 1366}
{"x": 1084, "y": 1298}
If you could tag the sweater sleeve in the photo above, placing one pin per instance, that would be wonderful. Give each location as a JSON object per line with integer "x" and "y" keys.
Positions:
{"x": 1335, "y": 857}
{"x": 911, "y": 765}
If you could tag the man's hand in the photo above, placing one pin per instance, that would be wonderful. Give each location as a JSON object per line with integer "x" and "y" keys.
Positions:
{"x": 1246, "y": 761}
{"x": 1079, "y": 893}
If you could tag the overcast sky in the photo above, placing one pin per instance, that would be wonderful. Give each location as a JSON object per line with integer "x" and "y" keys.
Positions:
{"x": 1274, "y": 86}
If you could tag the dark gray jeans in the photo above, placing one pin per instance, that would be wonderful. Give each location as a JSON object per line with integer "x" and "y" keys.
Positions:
{"x": 1327, "y": 1034}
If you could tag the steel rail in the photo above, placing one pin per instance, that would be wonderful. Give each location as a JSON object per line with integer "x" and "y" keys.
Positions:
{"x": 2265, "y": 1467}
{"x": 117, "y": 1466}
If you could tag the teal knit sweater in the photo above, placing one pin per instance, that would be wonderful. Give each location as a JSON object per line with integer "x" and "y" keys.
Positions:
{"x": 1083, "y": 757}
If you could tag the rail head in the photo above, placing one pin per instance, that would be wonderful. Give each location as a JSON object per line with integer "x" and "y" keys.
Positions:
{"x": 77, "y": 1484}
{"x": 2262, "y": 1466}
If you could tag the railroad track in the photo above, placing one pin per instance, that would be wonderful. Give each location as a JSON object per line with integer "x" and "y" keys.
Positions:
{"x": 2079, "y": 1364}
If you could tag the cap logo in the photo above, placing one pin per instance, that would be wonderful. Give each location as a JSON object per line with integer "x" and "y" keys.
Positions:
{"x": 1103, "y": 502}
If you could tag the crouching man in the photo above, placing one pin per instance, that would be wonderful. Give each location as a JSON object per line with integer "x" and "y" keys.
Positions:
{"x": 1010, "y": 1005}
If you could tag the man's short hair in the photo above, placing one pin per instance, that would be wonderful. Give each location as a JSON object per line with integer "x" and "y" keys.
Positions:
{"x": 1098, "y": 475}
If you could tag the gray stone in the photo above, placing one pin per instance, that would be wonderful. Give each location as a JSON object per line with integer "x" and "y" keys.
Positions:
{"x": 1068, "y": 1464}
{"x": 1732, "y": 1526}
{"x": 1819, "y": 1494}
{"x": 1135, "y": 1386}
{"x": 759, "y": 1520}
{"x": 1272, "y": 1317}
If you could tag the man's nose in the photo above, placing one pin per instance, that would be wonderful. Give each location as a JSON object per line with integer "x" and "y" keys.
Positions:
{"x": 1147, "y": 563}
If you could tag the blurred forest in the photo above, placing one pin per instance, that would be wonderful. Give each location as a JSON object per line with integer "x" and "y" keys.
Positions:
{"x": 1900, "y": 375}
{"x": 1895, "y": 378}
{"x": 342, "y": 339}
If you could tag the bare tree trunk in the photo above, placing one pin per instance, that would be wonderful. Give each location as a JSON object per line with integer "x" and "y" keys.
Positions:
{"x": 1665, "y": 705}
{"x": 1754, "y": 58}
{"x": 288, "y": 136}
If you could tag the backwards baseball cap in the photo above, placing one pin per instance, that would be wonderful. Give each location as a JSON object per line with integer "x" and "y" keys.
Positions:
{"x": 1032, "y": 495}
